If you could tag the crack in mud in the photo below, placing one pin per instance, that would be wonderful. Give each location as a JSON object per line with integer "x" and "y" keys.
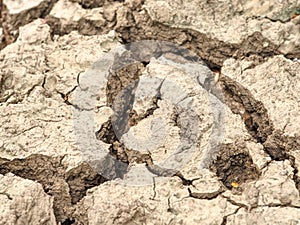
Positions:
{"x": 234, "y": 164}
{"x": 7, "y": 195}
{"x": 253, "y": 113}
{"x": 259, "y": 125}
{"x": 11, "y": 22}
{"x": 136, "y": 24}
{"x": 224, "y": 221}
{"x": 214, "y": 52}
{"x": 66, "y": 187}
{"x": 135, "y": 118}
{"x": 89, "y": 4}
{"x": 65, "y": 97}
{"x": 120, "y": 91}
{"x": 250, "y": 208}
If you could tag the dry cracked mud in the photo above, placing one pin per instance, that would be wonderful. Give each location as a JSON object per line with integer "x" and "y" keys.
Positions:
{"x": 149, "y": 112}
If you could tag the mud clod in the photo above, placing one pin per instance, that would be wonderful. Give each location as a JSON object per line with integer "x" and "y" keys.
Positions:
{"x": 11, "y": 22}
{"x": 208, "y": 196}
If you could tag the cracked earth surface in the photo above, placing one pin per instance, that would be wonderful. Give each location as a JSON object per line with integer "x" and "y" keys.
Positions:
{"x": 247, "y": 53}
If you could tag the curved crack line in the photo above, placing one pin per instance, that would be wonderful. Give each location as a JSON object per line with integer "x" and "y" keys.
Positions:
{"x": 258, "y": 123}
{"x": 66, "y": 187}
{"x": 213, "y": 51}
{"x": 6, "y": 194}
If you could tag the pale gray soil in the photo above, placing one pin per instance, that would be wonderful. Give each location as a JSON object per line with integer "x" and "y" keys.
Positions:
{"x": 199, "y": 124}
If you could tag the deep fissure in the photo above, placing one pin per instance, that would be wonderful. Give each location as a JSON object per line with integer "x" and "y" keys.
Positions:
{"x": 214, "y": 53}
{"x": 259, "y": 125}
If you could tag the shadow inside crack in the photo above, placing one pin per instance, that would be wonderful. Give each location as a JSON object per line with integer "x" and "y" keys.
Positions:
{"x": 234, "y": 165}
{"x": 90, "y": 4}
{"x": 256, "y": 119}
{"x": 66, "y": 187}
{"x": 82, "y": 178}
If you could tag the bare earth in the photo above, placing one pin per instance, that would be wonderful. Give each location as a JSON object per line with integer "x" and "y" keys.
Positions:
{"x": 150, "y": 112}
